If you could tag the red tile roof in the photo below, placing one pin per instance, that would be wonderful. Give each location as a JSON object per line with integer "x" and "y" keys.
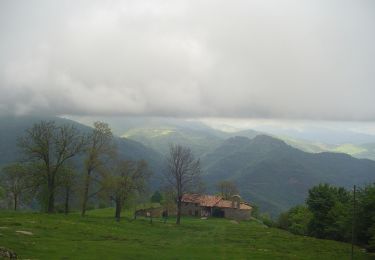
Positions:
{"x": 245, "y": 206}
{"x": 212, "y": 201}
{"x": 224, "y": 204}
{"x": 202, "y": 200}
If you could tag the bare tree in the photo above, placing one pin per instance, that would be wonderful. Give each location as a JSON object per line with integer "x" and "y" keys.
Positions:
{"x": 100, "y": 146}
{"x": 124, "y": 179}
{"x": 183, "y": 171}
{"x": 51, "y": 146}
{"x": 16, "y": 182}
{"x": 227, "y": 189}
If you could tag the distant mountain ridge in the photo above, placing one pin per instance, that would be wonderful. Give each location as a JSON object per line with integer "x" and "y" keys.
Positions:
{"x": 362, "y": 151}
{"x": 277, "y": 176}
{"x": 159, "y": 139}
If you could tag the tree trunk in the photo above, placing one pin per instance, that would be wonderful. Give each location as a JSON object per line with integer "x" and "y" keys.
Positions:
{"x": 51, "y": 195}
{"x": 118, "y": 209}
{"x": 15, "y": 202}
{"x": 178, "y": 210}
{"x": 86, "y": 193}
{"x": 67, "y": 194}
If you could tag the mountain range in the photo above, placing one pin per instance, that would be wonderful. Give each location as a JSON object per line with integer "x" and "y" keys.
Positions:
{"x": 270, "y": 172}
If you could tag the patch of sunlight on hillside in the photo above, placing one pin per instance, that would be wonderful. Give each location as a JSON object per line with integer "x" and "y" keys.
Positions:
{"x": 310, "y": 147}
{"x": 150, "y": 133}
{"x": 350, "y": 149}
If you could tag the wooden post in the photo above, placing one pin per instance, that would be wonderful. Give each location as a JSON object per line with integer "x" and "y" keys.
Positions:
{"x": 353, "y": 221}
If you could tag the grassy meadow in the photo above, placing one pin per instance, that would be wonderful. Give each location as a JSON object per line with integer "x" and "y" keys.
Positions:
{"x": 98, "y": 236}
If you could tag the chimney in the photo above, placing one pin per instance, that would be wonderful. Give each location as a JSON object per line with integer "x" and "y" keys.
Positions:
{"x": 236, "y": 199}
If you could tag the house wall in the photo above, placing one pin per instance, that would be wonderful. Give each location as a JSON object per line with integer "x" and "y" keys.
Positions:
{"x": 238, "y": 214}
{"x": 189, "y": 209}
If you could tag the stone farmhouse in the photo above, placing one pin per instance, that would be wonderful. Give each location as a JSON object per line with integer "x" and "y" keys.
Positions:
{"x": 217, "y": 206}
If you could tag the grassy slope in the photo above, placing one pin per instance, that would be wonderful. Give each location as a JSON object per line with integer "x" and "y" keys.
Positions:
{"x": 98, "y": 236}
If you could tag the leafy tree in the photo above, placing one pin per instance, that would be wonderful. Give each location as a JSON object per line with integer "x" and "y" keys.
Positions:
{"x": 329, "y": 214}
{"x": 296, "y": 220}
{"x": 50, "y": 147}
{"x": 100, "y": 147}
{"x": 227, "y": 189}
{"x": 267, "y": 220}
{"x": 183, "y": 171}
{"x": 327, "y": 204}
{"x": 340, "y": 221}
{"x": 124, "y": 179}
{"x": 156, "y": 197}
{"x": 365, "y": 217}
{"x": 16, "y": 181}
{"x": 255, "y": 211}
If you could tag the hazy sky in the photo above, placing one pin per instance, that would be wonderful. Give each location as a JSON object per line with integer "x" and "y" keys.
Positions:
{"x": 280, "y": 59}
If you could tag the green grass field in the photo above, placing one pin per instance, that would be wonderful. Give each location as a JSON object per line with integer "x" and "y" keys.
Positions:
{"x": 98, "y": 236}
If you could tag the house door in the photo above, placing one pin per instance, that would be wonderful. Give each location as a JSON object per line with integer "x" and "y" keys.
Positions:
{"x": 219, "y": 213}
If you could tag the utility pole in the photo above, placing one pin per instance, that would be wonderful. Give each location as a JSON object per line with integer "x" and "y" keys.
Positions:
{"x": 353, "y": 221}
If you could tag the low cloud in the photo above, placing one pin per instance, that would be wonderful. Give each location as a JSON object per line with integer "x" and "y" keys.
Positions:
{"x": 288, "y": 59}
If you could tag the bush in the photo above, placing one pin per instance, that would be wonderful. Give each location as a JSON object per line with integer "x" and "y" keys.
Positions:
{"x": 296, "y": 220}
{"x": 266, "y": 219}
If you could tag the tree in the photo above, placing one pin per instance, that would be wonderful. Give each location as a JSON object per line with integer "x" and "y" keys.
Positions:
{"x": 50, "y": 146}
{"x": 328, "y": 204}
{"x": 124, "y": 179}
{"x": 182, "y": 173}
{"x": 67, "y": 179}
{"x": 156, "y": 197}
{"x": 100, "y": 146}
{"x": 227, "y": 189}
{"x": 16, "y": 182}
{"x": 296, "y": 220}
{"x": 365, "y": 220}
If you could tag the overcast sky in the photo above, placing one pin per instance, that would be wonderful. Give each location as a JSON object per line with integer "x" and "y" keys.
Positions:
{"x": 279, "y": 59}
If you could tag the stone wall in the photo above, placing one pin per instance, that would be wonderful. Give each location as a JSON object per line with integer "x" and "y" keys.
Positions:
{"x": 192, "y": 209}
{"x": 238, "y": 214}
